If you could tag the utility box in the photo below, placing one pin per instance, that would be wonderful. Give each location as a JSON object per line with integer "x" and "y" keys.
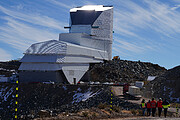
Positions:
{"x": 117, "y": 90}
{"x": 139, "y": 84}
{"x": 135, "y": 92}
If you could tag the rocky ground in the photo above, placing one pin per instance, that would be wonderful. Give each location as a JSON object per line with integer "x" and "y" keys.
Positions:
{"x": 64, "y": 102}
{"x": 57, "y": 98}
{"x": 124, "y": 71}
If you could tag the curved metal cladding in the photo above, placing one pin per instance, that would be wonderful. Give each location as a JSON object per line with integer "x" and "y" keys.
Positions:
{"x": 97, "y": 21}
{"x": 47, "y": 47}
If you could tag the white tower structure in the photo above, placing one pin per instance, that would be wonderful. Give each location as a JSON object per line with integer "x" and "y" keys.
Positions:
{"x": 67, "y": 60}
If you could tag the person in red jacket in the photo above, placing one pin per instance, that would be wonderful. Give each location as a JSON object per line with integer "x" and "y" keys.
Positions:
{"x": 148, "y": 106}
{"x": 159, "y": 105}
{"x": 153, "y": 107}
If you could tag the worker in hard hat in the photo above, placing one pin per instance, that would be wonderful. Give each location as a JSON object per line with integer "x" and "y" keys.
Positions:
{"x": 153, "y": 107}
{"x": 159, "y": 106}
{"x": 148, "y": 106}
{"x": 165, "y": 105}
{"x": 143, "y": 106}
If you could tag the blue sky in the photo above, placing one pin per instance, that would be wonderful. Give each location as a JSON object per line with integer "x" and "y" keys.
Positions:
{"x": 146, "y": 30}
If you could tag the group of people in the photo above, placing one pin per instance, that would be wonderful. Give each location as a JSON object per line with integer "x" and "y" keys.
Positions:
{"x": 152, "y": 105}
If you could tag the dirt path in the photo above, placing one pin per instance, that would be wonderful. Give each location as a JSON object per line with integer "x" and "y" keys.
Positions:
{"x": 143, "y": 118}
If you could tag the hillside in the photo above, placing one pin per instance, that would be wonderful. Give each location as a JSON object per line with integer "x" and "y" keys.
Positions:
{"x": 109, "y": 71}
{"x": 124, "y": 71}
{"x": 167, "y": 85}
{"x": 7, "y": 68}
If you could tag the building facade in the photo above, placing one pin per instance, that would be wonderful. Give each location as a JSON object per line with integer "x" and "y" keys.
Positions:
{"x": 67, "y": 60}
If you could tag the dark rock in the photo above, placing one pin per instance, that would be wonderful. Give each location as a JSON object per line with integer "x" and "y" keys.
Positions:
{"x": 166, "y": 86}
{"x": 124, "y": 71}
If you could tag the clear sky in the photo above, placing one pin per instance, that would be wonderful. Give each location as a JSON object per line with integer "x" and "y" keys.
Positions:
{"x": 145, "y": 30}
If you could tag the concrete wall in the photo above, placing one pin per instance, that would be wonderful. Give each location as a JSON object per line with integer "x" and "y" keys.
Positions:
{"x": 42, "y": 76}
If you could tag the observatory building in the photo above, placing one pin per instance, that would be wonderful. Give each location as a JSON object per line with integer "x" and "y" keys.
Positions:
{"x": 68, "y": 59}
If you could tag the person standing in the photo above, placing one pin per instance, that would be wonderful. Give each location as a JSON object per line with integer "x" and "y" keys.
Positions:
{"x": 165, "y": 105}
{"x": 159, "y": 105}
{"x": 148, "y": 106}
{"x": 153, "y": 107}
{"x": 143, "y": 106}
